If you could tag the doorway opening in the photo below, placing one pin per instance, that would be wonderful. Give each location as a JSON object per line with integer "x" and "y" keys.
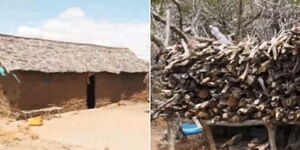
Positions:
{"x": 90, "y": 101}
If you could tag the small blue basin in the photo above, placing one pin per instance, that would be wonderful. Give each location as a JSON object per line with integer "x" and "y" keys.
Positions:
{"x": 190, "y": 128}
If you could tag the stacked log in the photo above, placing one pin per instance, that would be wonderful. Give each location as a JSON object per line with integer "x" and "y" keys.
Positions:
{"x": 234, "y": 82}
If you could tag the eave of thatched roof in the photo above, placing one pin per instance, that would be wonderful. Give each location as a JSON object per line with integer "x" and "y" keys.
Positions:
{"x": 29, "y": 54}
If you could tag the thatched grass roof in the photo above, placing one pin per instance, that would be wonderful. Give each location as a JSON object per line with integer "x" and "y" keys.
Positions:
{"x": 29, "y": 54}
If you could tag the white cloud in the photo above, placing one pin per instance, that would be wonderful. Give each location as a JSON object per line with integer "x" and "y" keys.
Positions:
{"x": 72, "y": 13}
{"x": 72, "y": 25}
{"x": 32, "y": 32}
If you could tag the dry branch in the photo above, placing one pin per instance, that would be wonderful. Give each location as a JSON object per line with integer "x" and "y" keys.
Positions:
{"x": 160, "y": 19}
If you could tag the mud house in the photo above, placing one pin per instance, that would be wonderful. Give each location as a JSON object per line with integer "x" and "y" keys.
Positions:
{"x": 39, "y": 73}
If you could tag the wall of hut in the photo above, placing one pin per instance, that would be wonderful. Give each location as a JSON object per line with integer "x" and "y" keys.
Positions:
{"x": 69, "y": 90}
{"x": 112, "y": 87}
{"x": 9, "y": 94}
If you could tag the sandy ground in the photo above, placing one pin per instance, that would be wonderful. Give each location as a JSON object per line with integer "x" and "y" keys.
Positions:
{"x": 158, "y": 130}
{"x": 113, "y": 127}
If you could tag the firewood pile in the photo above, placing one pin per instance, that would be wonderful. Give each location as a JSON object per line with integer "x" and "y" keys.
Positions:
{"x": 251, "y": 80}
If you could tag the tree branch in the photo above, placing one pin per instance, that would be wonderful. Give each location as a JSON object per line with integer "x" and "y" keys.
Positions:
{"x": 179, "y": 32}
{"x": 167, "y": 39}
{"x": 180, "y": 13}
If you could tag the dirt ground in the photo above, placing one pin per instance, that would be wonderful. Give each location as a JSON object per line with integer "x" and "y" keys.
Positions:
{"x": 158, "y": 139}
{"x": 120, "y": 126}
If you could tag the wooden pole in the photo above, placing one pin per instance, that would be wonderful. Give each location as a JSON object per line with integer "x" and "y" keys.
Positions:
{"x": 171, "y": 136}
{"x": 209, "y": 135}
{"x": 272, "y": 134}
{"x": 166, "y": 44}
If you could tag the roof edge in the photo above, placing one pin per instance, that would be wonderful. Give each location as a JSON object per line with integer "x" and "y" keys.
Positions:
{"x": 63, "y": 42}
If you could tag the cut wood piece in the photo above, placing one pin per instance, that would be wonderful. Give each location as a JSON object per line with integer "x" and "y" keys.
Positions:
{"x": 254, "y": 143}
{"x": 245, "y": 73}
{"x": 247, "y": 110}
{"x": 263, "y": 146}
{"x": 202, "y": 105}
{"x": 204, "y": 93}
{"x": 205, "y": 80}
{"x": 203, "y": 115}
{"x": 232, "y": 101}
{"x": 235, "y": 118}
{"x": 250, "y": 79}
{"x": 154, "y": 113}
{"x": 233, "y": 141}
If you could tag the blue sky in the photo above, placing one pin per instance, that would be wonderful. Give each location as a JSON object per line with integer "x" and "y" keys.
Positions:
{"x": 19, "y": 12}
{"x": 34, "y": 18}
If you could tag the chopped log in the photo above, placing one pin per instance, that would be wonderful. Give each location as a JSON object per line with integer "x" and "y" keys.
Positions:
{"x": 263, "y": 146}
{"x": 255, "y": 143}
{"x": 248, "y": 83}
{"x": 203, "y": 94}
{"x": 233, "y": 141}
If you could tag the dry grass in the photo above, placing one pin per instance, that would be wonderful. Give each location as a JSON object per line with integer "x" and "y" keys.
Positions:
{"x": 17, "y": 53}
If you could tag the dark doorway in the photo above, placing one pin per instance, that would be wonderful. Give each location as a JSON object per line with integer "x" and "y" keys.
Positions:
{"x": 90, "y": 101}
